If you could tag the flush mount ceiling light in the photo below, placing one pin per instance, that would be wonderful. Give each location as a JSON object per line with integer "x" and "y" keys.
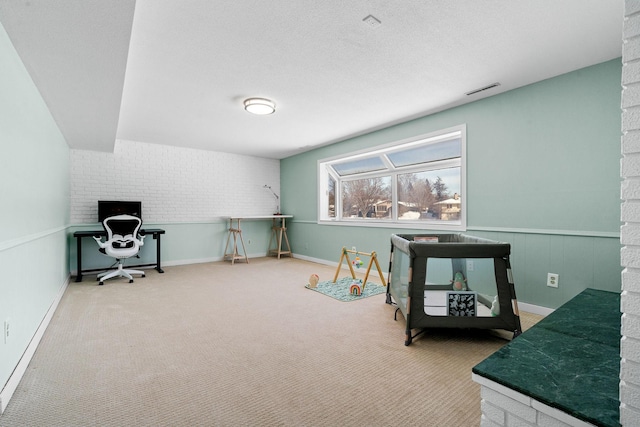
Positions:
{"x": 261, "y": 106}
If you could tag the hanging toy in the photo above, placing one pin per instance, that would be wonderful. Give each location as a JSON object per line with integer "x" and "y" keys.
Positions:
{"x": 357, "y": 262}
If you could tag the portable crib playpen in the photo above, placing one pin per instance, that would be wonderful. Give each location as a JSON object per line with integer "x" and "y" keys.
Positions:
{"x": 452, "y": 281}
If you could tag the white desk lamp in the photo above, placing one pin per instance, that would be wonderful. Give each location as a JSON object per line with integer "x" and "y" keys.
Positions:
{"x": 277, "y": 198}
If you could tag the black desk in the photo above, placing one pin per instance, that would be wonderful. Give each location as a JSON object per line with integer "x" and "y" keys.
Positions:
{"x": 155, "y": 232}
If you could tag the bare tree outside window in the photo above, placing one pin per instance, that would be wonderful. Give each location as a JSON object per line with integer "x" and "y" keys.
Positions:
{"x": 361, "y": 197}
{"x": 415, "y": 196}
{"x": 332, "y": 198}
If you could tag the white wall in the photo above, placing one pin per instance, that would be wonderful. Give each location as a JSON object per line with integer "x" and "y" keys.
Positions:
{"x": 183, "y": 191}
{"x": 34, "y": 195}
{"x": 175, "y": 185}
{"x": 630, "y": 231}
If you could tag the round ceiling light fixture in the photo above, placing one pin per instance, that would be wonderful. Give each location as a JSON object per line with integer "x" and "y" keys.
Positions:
{"x": 261, "y": 106}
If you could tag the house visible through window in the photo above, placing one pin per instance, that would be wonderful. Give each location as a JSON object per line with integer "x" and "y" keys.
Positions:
{"x": 420, "y": 180}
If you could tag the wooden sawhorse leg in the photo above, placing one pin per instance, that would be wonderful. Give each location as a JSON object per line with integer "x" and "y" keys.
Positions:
{"x": 236, "y": 232}
{"x": 278, "y": 232}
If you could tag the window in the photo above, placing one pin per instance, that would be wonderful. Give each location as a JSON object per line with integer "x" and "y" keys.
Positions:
{"x": 418, "y": 182}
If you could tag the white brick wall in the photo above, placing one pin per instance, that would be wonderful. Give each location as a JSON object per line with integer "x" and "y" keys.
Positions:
{"x": 504, "y": 407}
{"x": 174, "y": 184}
{"x": 630, "y": 215}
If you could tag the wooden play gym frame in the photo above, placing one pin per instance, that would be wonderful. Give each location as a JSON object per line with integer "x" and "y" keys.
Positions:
{"x": 373, "y": 258}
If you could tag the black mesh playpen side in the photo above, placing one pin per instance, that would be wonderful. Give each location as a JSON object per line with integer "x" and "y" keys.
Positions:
{"x": 408, "y": 282}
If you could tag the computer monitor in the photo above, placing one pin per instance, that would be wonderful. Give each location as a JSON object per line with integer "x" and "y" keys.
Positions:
{"x": 107, "y": 208}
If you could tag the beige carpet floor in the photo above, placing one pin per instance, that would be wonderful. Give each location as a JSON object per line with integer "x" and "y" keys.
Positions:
{"x": 243, "y": 345}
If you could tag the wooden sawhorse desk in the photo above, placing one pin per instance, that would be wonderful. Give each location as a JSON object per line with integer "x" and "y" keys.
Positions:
{"x": 278, "y": 233}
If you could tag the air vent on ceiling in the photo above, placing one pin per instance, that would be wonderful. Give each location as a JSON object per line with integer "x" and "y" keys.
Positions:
{"x": 491, "y": 86}
{"x": 371, "y": 20}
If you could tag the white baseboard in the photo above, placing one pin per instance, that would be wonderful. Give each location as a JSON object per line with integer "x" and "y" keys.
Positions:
{"x": 189, "y": 261}
{"x": 535, "y": 309}
{"x": 373, "y": 272}
{"x": 203, "y": 260}
{"x": 12, "y": 384}
{"x": 316, "y": 260}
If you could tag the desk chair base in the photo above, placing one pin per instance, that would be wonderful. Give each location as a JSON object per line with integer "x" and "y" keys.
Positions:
{"x": 120, "y": 272}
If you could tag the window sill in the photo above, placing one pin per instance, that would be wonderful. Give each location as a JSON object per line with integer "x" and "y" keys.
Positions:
{"x": 414, "y": 225}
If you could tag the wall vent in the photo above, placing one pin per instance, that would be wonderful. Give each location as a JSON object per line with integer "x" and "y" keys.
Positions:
{"x": 491, "y": 86}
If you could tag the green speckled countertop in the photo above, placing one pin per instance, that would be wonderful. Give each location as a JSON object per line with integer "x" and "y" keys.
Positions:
{"x": 570, "y": 360}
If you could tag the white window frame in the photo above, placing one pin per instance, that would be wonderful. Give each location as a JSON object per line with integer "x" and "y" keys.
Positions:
{"x": 428, "y": 224}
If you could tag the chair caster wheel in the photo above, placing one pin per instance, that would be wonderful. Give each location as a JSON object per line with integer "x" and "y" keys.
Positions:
{"x": 130, "y": 280}
{"x": 143, "y": 275}
{"x": 101, "y": 283}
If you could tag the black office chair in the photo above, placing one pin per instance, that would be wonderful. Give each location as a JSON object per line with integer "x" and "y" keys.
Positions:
{"x": 123, "y": 241}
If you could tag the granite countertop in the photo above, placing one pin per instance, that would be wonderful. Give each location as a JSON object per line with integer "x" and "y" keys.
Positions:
{"x": 570, "y": 360}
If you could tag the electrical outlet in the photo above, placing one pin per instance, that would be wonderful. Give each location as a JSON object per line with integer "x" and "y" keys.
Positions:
{"x": 552, "y": 280}
{"x": 6, "y": 330}
{"x": 469, "y": 265}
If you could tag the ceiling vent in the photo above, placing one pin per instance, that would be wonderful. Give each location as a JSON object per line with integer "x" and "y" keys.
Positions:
{"x": 371, "y": 21}
{"x": 491, "y": 86}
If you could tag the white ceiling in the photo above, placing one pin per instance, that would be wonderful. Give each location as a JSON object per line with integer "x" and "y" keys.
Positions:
{"x": 175, "y": 72}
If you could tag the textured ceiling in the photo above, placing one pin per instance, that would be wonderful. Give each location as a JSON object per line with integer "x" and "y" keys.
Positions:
{"x": 176, "y": 72}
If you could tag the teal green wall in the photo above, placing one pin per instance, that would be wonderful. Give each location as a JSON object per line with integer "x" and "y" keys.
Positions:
{"x": 34, "y": 171}
{"x": 542, "y": 174}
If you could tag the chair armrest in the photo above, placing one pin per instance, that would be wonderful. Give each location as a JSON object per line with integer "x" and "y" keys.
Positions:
{"x": 99, "y": 241}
